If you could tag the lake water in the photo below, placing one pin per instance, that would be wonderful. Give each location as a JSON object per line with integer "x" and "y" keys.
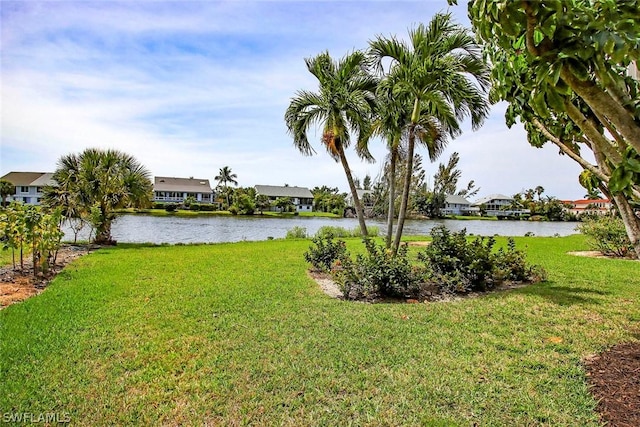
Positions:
{"x": 215, "y": 229}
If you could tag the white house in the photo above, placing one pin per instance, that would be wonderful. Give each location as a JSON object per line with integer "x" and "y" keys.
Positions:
{"x": 457, "y": 205}
{"x": 29, "y": 186}
{"x": 301, "y": 197}
{"x": 498, "y": 205}
{"x": 177, "y": 190}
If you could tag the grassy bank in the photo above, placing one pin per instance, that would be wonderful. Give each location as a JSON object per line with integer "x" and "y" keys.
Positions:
{"x": 234, "y": 334}
{"x": 190, "y": 213}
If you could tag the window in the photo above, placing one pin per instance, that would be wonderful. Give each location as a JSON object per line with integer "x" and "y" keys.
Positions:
{"x": 24, "y": 189}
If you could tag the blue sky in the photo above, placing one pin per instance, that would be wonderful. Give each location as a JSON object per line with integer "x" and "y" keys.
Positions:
{"x": 189, "y": 87}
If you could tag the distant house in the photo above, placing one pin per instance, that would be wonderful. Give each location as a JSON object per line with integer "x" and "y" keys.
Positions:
{"x": 457, "y": 205}
{"x": 498, "y": 205}
{"x": 177, "y": 190}
{"x": 300, "y": 196}
{"x": 29, "y": 186}
{"x": 596, "y": 206}
{"x": 365, "y": 196}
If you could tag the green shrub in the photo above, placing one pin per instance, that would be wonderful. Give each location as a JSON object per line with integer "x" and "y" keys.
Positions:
{"x": 377, "y": 274}
{"x": 170, "y": 207}
{"x": 207, "y": 207}
{"x": 158, "y": 205}
{"x": 233, "y": 210}
{"x": 455, "y": 264}
{"x": 607, "y": 235}
{"x": 328, "y": 230}
{"x": 297, "y": 233}
{"x": 324, "y": 252}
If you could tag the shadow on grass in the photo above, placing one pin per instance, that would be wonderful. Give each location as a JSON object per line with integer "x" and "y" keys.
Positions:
{"x": 565, "y": 295}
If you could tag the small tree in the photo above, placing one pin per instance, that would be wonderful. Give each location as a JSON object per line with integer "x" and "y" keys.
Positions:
{"x": 6, "y": 189}
{"x": 284, "y": 204}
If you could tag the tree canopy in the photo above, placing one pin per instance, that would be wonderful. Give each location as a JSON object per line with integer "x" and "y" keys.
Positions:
{"x": 95, "y": 183}
{"x": 562, "y": 65}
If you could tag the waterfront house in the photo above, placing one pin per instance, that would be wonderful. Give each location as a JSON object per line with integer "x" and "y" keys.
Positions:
{"x": 29, "y": 186}
{"x": 594, "y": 206}
{"x": 498, "y": 205}
{"x": 300, "y": 196}
{"x": 457, "y": 205}
{"x": 177, "y": 190}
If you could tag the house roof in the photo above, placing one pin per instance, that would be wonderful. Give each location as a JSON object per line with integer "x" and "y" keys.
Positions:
{"x": 491, "y": 197}
{"x": 45, "y": 179}
{"x": 590, "y": 201}
{"x": 278, "y": 191}
{"x": 188, "y": 185}
{"x": 455, "y": 199}
{"x": 23, "y": 178}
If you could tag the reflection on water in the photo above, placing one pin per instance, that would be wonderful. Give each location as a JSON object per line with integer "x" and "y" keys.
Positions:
{"x": 214, "y": 229}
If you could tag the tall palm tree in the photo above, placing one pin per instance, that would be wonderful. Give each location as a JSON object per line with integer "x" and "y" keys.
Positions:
{"x": 343, "y": 105}
{"x": 95, "y": 183}
{"x": 393, "y": 121}
{"x": 441, "y": 72}
{"x": 225, "y": 176}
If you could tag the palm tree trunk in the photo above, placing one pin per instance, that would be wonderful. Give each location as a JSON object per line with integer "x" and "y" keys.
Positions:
{"x": 405, "y": 191}
{"x": 354, "y": 193}
{"x": 392, "y": 196}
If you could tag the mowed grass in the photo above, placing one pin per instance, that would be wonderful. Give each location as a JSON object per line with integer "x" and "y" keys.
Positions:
{"x": 237, "y": 334}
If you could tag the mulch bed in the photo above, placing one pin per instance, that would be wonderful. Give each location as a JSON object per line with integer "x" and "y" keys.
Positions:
{"x": 614, "y": 380}
{"x": 20, "y": 283}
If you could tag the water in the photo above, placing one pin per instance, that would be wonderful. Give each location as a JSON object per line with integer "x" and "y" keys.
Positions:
{"x": 215, "y": 229}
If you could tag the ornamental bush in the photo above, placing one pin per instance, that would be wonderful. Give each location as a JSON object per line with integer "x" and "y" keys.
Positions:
{"x": 324, "y": 252}
{"x": 377, "y": 274}
{"x": 607, "y": 235}
{"x": 455, "y": 264}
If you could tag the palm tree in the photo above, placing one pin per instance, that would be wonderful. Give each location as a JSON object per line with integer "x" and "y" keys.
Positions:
{"x": 6, "y": 189}
{"x": 343, "y": 105}
{"x": 442, "y": 74}
{"x": 95, "y": 183}
{"x": 225, "y": 176}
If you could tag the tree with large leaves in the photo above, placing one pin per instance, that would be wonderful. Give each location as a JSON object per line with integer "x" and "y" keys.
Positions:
{"x": 562, "y": 65}
{"x": 440, "y": 72}
{"x": 95, "y": 183}
{"x": 224, "y": 177}
{"x": 342, "y": 105}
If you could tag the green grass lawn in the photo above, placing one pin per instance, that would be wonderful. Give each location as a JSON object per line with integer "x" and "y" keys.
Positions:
{"x": 235, "y": 334}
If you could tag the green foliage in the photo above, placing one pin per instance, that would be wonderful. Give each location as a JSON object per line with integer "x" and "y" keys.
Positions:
{"x": 325, "y": 251}
{"x": 284, "y": 204}
{"x": 244, "y": 204}
{"x": 6, "y": 189}
{"x": 327, "y": 199}
{"x": 333, "y": 231}
{"x": 170, "y": 207}
{"x": 606, "y": 234}
{"x": 96, "y": 183}
{"x": 377, "y": 274}
{"x": 456, "y": 264}
{"x": 29, "y": 228}
{"x": 296, "y": 233}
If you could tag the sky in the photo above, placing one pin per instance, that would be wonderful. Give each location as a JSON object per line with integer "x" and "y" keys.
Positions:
{"x": 190, "y": 87}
